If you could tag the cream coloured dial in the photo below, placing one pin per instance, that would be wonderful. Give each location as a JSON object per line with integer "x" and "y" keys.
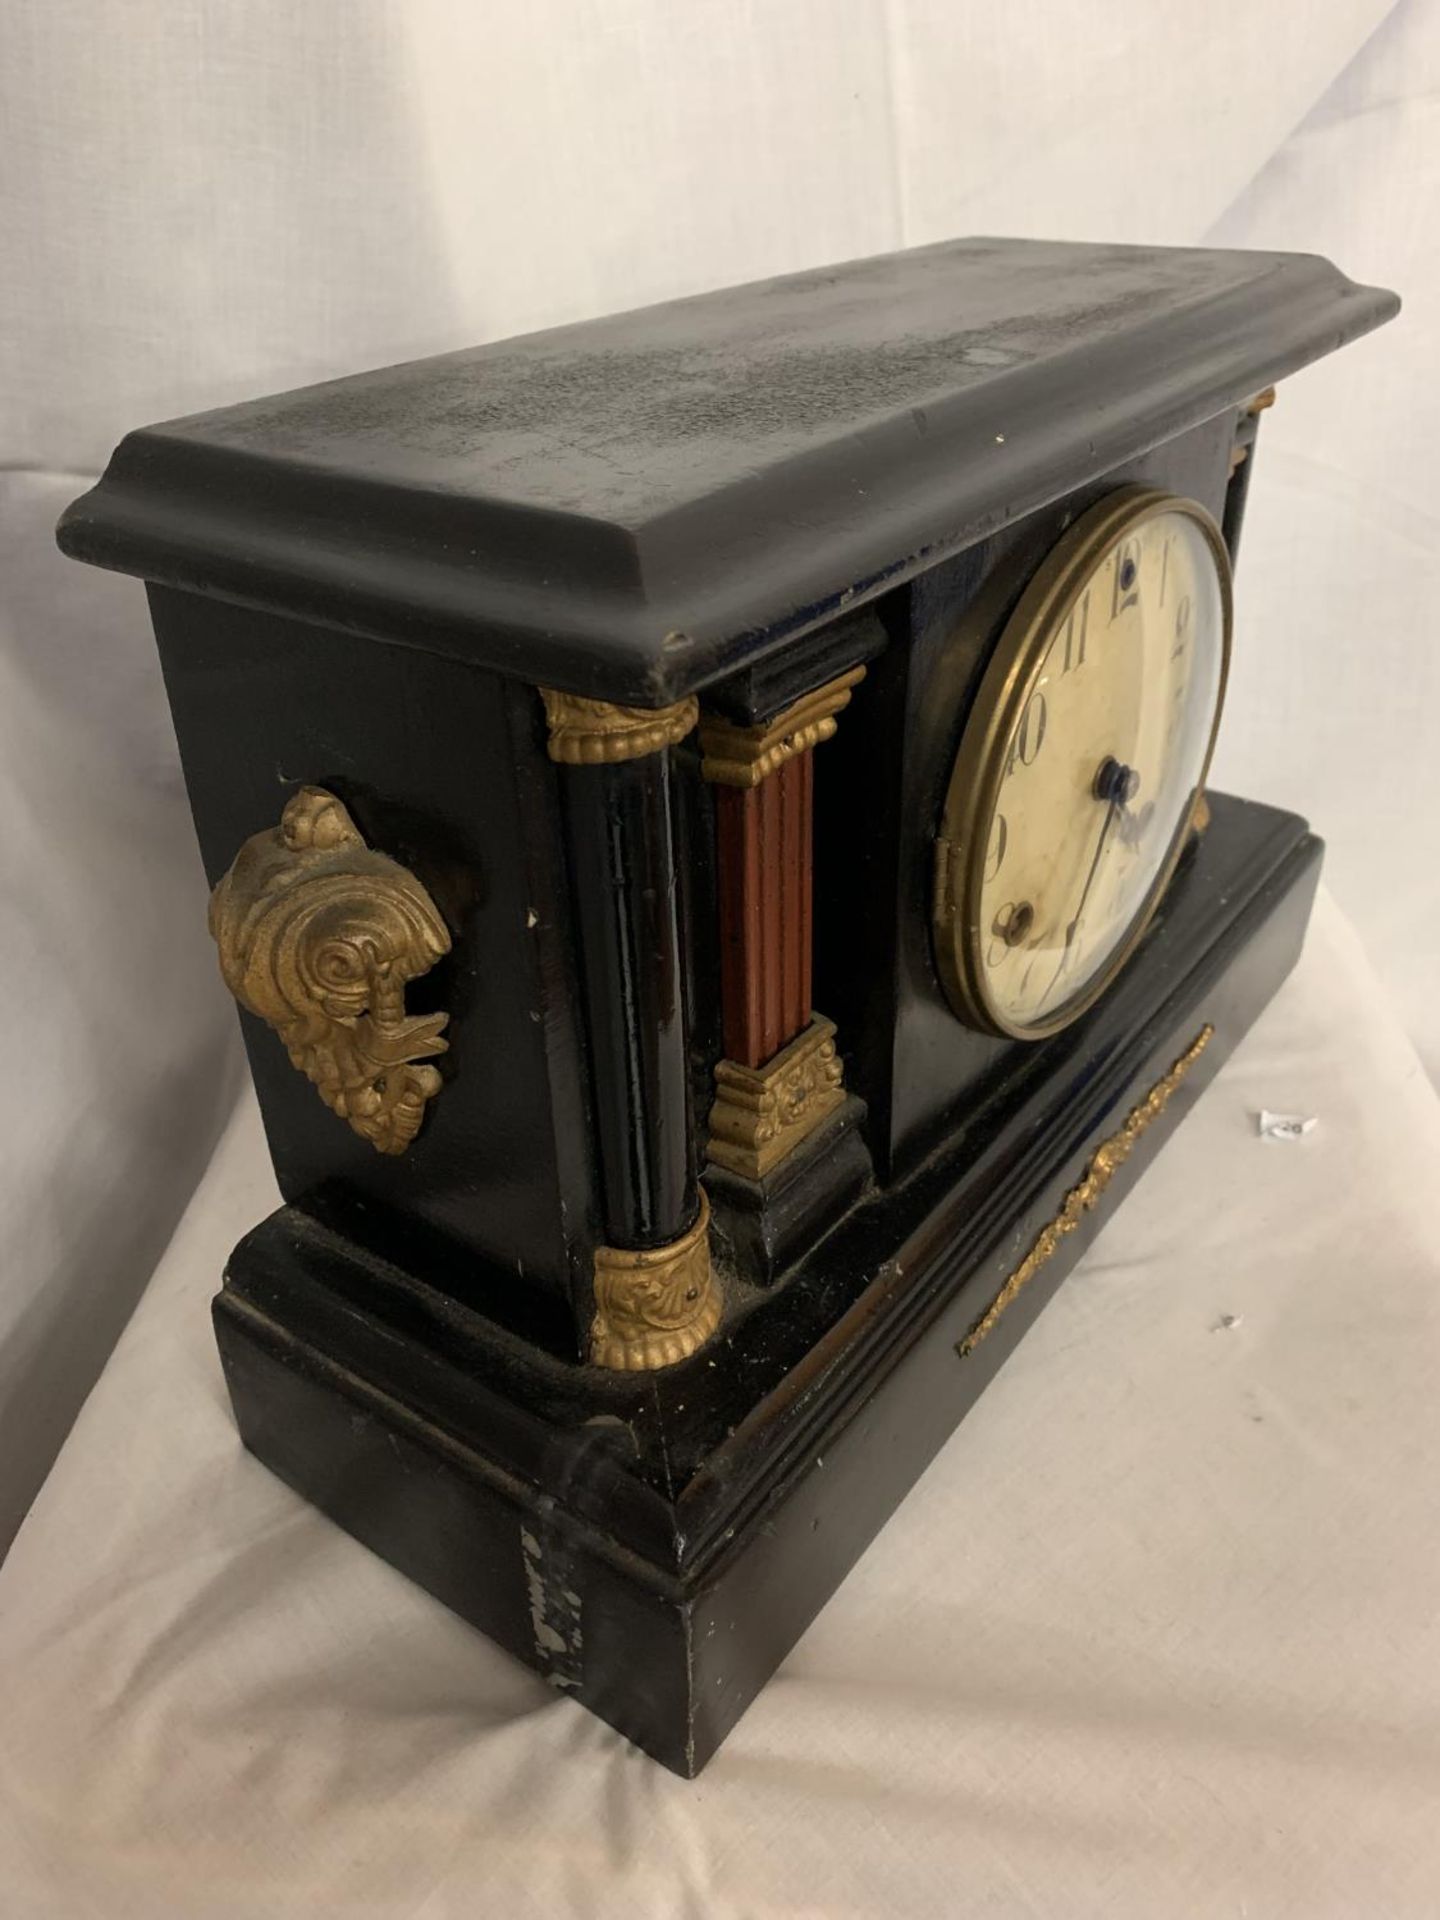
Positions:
{"x": 1083, "y": 761}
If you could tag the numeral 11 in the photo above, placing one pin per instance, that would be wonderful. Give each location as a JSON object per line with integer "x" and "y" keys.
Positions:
{"x": 1075, "y": 641}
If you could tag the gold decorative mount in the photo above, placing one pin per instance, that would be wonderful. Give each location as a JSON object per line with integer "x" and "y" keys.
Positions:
{"x": 318, "y": 935}
{"x": 593, "y": 733}
{"x": 761, "y": 1114}
{"x": 657, "y": 1305}
{"x": 1251, "y": 411}
{"x": 1105, "y": 1163}
{"x": 744, "y": 756}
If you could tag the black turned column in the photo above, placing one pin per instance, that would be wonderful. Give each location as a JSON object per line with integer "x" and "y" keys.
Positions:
{"x": 656, "y": 1299}
{"x": 620, "y": 843}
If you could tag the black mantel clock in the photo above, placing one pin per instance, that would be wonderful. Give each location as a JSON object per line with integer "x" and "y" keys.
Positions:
{"x": 708, "y": 826}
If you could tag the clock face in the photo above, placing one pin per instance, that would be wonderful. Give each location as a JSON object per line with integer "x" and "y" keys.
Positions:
{"x": 1082, "y": 763}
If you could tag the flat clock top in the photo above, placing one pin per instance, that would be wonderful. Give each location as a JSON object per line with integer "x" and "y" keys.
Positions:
{"x": 635, "y": 506}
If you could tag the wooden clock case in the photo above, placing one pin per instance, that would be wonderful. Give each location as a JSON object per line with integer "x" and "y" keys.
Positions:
{"x": 396, "y": 589}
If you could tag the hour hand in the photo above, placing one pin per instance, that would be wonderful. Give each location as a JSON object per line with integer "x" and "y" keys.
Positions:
{"x": 1117, "y": 785}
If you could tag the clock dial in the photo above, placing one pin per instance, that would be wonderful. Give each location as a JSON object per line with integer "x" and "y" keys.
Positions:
{"x": 1082, "y": 762}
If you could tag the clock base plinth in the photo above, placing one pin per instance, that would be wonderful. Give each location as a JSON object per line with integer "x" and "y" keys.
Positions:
{"x": 655, "y": 1549}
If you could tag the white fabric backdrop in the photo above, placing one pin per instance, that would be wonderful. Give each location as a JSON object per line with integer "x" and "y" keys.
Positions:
{"x": 202, "y": 201}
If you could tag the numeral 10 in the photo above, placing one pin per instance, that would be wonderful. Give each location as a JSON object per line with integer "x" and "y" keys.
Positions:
{"x": 1029, "y": 736}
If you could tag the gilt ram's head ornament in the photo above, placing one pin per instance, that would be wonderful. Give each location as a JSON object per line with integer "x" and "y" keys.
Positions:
{"x": 318, "y": 935}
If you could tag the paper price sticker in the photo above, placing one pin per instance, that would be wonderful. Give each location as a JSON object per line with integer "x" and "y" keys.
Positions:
{"x": 1285, "y": 1126}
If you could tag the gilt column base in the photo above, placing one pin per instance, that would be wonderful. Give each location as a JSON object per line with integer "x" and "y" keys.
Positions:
{"x": 762, "y": 1114}
{"x": 786, "y": 1156}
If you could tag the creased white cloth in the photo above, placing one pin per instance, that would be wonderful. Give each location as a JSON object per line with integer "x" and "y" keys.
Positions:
{"x": 1156, "y": 1634}
{"x": 122, "y": 1058}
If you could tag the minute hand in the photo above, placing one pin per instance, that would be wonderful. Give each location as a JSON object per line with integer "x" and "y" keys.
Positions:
{"x": 1112, "y": 814}
{"x": 1117, "y": 784}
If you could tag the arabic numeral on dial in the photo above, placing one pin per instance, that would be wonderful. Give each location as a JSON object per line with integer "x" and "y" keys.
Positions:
{"x": 1182, "y": 628}
{"x": 995, "y": 849}
{"x": 1077, "y": 631}
{"x": 1010, "y": 928}
{"x": 1127, "y": 578}
{"x": 1029, "y": 735}
{"x": 998, "y": 945}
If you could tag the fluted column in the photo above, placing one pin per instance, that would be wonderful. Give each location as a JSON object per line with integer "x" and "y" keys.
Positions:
{"x": 781, "y": 1076}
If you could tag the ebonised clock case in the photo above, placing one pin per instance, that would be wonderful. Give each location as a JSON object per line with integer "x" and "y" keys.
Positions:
{"x": 363, "y": 584}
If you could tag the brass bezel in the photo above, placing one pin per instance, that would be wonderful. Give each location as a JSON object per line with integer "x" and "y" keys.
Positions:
{"x": 976, "y": 777}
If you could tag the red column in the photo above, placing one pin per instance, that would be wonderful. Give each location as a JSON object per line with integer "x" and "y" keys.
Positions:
{"x": 764, "y": 844}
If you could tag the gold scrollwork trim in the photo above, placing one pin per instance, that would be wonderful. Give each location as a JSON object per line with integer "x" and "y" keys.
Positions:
{"x": 318, "y": 935}
{"x": 744, "y": 756}
{"x": 592, "y": 733}
{"x": 655, "y": 1305}
{"x": 1105, "y": 1162}
{"x": 761, "y": 1114}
